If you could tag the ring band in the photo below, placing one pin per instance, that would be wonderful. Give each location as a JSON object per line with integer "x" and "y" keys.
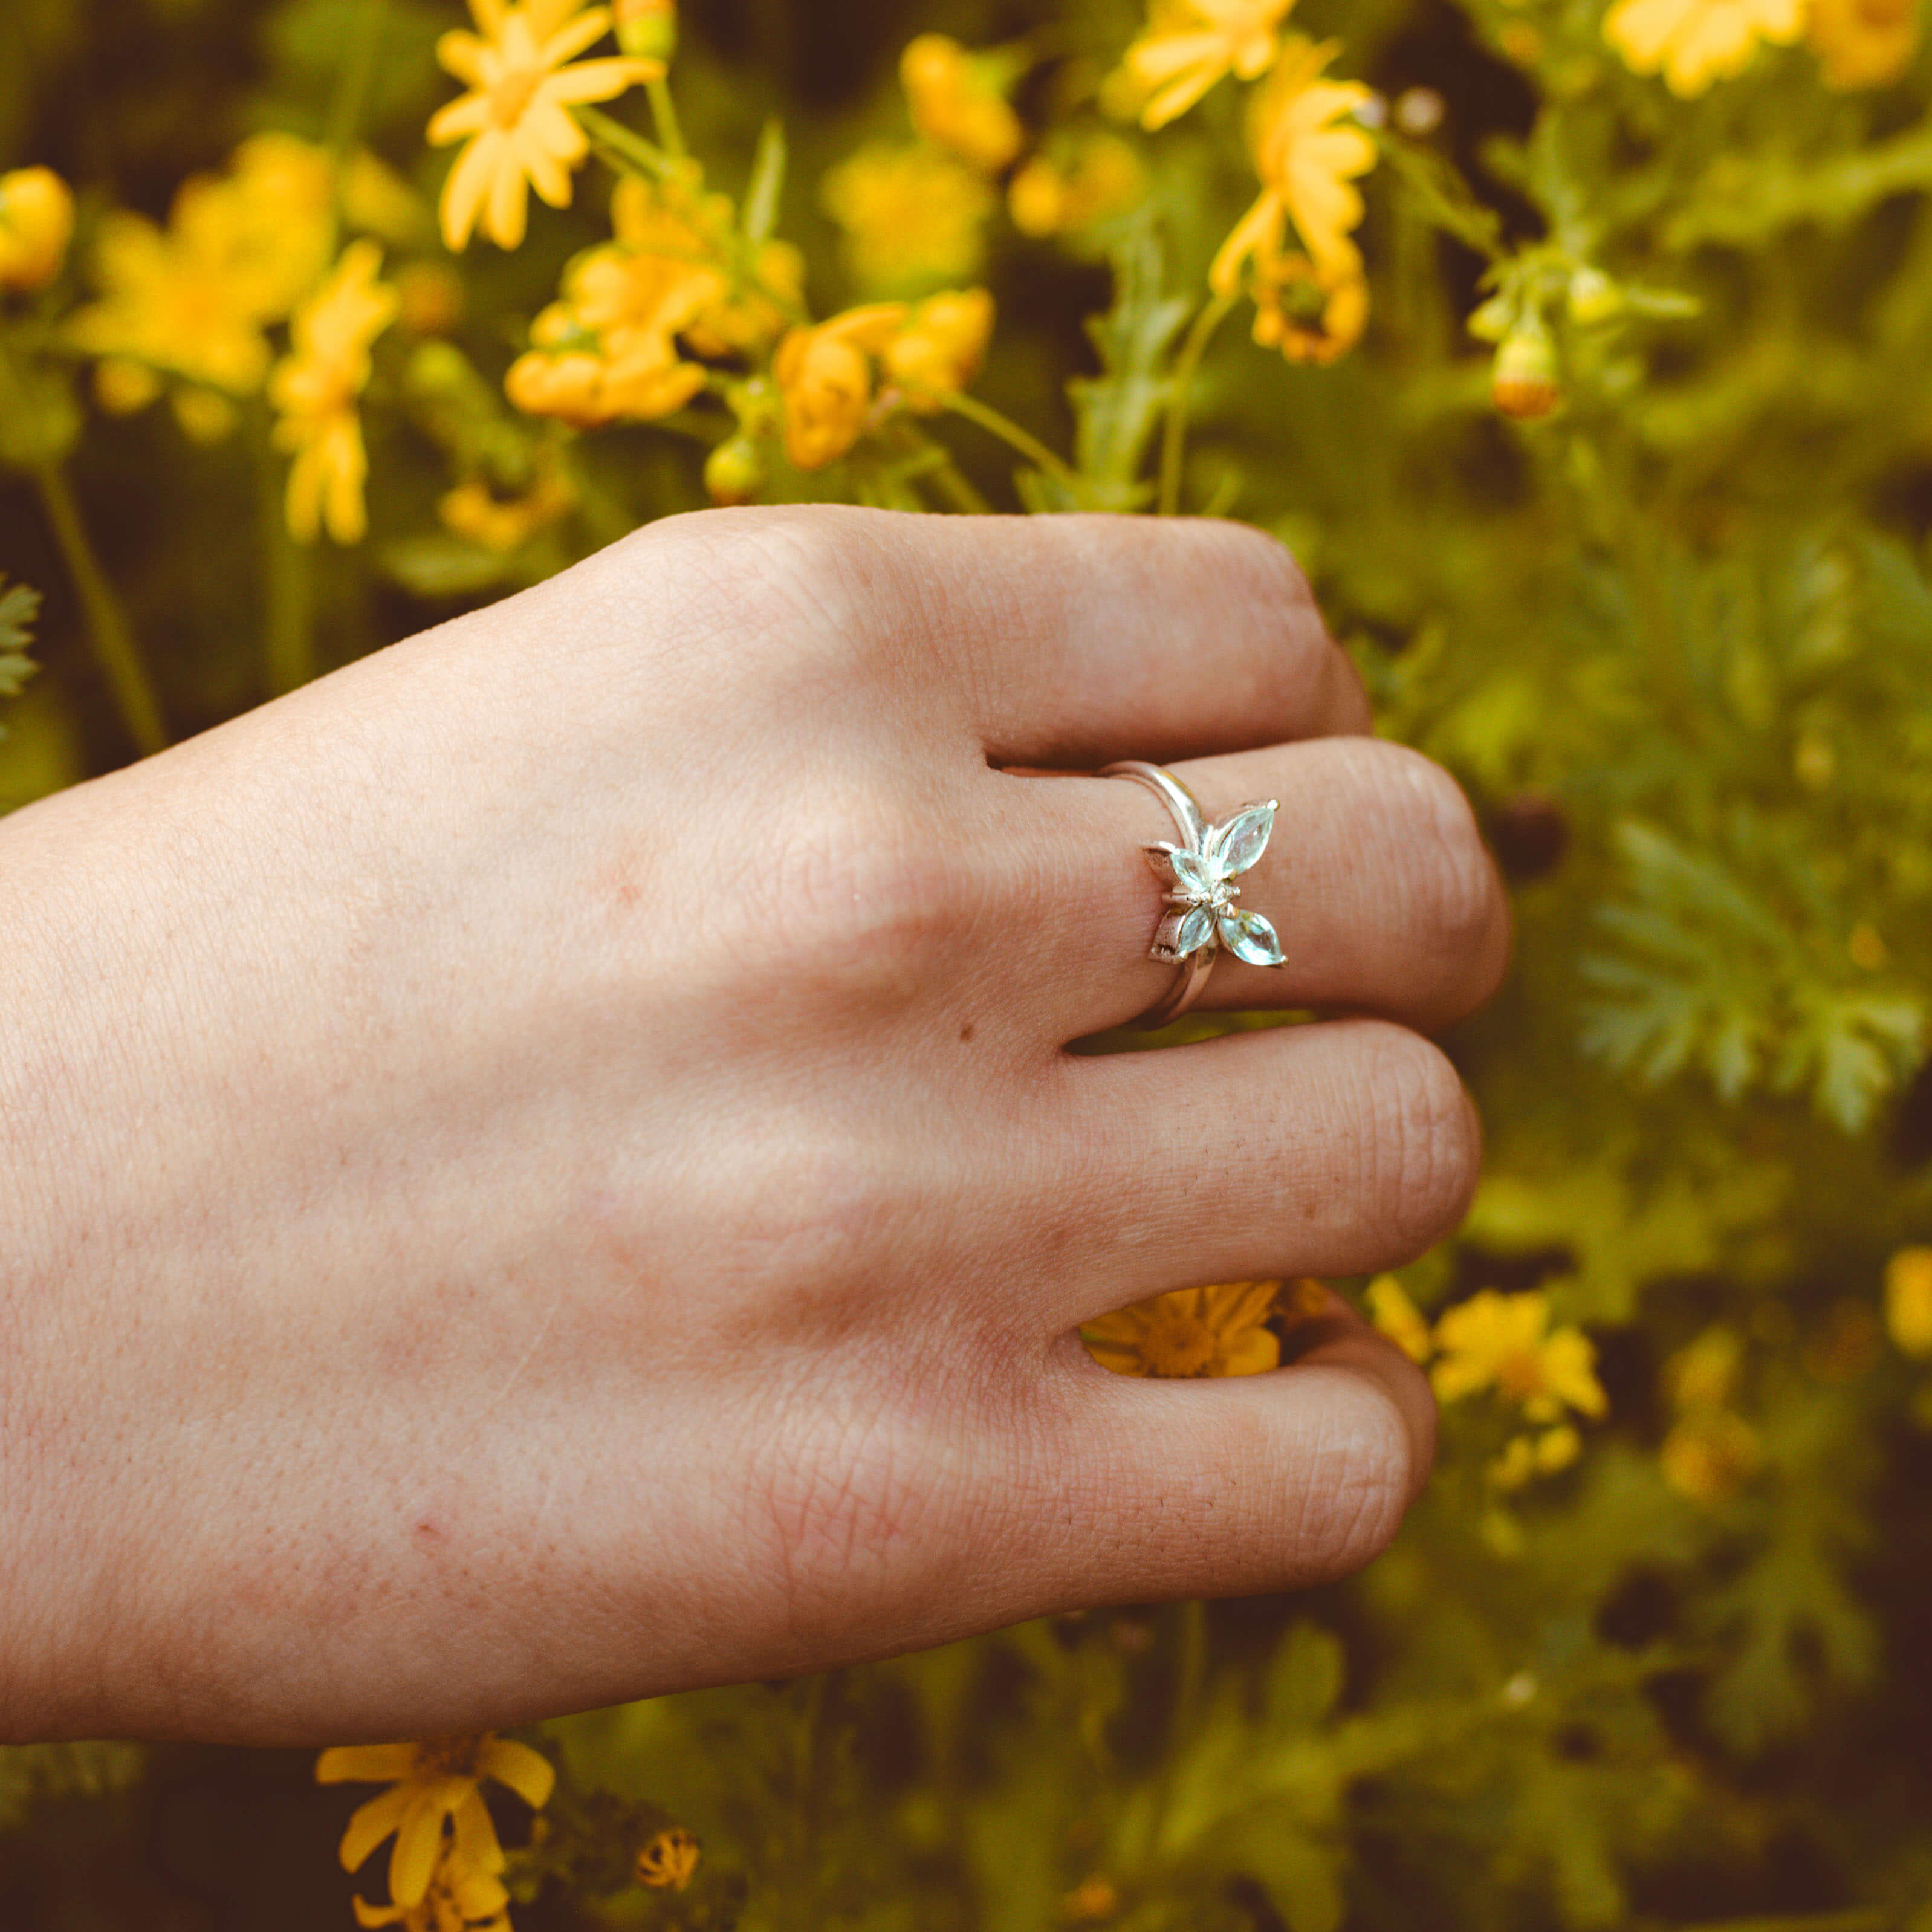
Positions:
{"x": 1201, "y": 917}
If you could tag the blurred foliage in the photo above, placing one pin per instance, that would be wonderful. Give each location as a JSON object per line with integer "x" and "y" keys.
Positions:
{"x": 1622, "y": 502}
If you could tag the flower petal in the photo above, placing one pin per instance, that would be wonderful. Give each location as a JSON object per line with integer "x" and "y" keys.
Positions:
{"x": 372, "y": 1823}
{"x": 1235, "y": 846}
{"x": 1248, "y": 936}
{"x": 419, "y": 1840}
{"x": 528, "y": 1773}
{"x": 364, "y": 1764}
{"x": 476, "y": 1848}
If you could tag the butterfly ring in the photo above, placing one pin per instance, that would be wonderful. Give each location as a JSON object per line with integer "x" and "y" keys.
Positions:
{"x": 1201, "y": 916}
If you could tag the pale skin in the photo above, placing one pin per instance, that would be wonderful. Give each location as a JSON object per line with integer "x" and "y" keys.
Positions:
{"x": 543, "y": 1169}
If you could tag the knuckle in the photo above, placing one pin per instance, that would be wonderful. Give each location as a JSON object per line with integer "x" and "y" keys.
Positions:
{"x": 1426, "y": 1148}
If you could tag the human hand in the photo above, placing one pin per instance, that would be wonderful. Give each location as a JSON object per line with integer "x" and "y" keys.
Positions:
{"x": 543, "y": 1167}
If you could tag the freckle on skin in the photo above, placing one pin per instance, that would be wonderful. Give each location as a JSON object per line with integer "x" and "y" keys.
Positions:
{"x": 966, "y": 1031}
{"x": 428, "y": 1530}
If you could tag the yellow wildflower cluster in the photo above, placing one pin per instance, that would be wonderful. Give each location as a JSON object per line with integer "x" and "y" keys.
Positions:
{"x": 520, "y": 133}
{"x": 914, "y": 214}
{"x": 195, "y": 300}
{"x": 829, "y": 375}
{"x": 1503, "y": 1343}
{"x": 611, "y": 348}
{"x": 36, "y": 225}
{"x": 444, "y": 1866}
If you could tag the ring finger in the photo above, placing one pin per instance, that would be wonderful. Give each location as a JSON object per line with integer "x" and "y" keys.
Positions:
{"x": 1374, "y": 879}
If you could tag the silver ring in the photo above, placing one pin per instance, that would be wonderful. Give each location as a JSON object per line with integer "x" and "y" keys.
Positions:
{"x": 1201, "y": 916}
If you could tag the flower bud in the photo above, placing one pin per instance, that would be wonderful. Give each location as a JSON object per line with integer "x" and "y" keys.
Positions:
{"x": 735, "y": 472}
{"x": 36, "y": 224}
{"x": 647, "y": 29}
{"x": 1525, "y": 384}
{"x": 1594, "y": 297}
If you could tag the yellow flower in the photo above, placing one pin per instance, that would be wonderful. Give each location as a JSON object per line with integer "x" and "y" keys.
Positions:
{"x": 503, "y": 524}
{"x": 1399, "y": 1319}
{"x": 1908, "y": 1299}
{"x": 1705, "y": 1375}
{"x": 957, "y": 102}
{"x": 459, "y": 1899}
{"x": 1189, "y": 45}
{"x": 517, "y": 114}
{"x": 737, "y": 314}
{"x": 315, "y": 388}
{"x": 1221, "y": 1331}
{"x": 1307, "y": 164}
{"x": 1709, "y": 1455}
{"x": 1310, "y": 314}
{"x": 433, "y": 1785}
{"x": 1098, "y": 176}
{"x": 1503, "y": 1341}
{"x": 940, "y": 346}
{"x": 912, "y": 216}
{"x": 1695, "y": 42}
{"x": 1524, "y": 1457}
{"x": 1863, "y": 43}
{"x": 825, "y": 376}
{"x": 36, "y": 225}
{"x": 668, "y": 1862}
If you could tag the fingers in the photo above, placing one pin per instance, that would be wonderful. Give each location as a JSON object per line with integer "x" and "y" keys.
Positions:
{"x": 1330, "y": 1149}
{"x": 1374, "y": 879}
{"x": 1224, "y": 1488}
{"x": 1066, "y": 640}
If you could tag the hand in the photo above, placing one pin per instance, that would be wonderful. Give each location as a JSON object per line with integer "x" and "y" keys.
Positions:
{"x": 543, "y": 1169}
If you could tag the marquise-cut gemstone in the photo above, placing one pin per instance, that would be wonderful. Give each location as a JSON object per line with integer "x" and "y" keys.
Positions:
{"x": 1248, "y": 936}
{"x": 1197, "y": 929}
{"x": 1243, "y": 839}
{"x": 1192, "y": 874}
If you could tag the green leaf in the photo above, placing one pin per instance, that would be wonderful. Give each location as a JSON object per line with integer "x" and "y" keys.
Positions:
{"x": 766, "y": 187}
{"x": 1118, "y": 412}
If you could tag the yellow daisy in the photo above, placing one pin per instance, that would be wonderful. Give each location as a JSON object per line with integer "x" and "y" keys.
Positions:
{"x": 1695, "y": 42}
{"x": 825, "y": 376}
{"x": 941, "y": 347}
{"x": 911, "y": 216}
{"x": 1190, "y": 45}
{"x": 1221, "y": 1331}
{"x": 1310, "y": 314}
{"x": 668, "y": 1861}
{"x": 957, "y": 103}
{"x": 433, "y": 1785}
{"x": 315, "y": 389}
{"x": 1503, "y": 1341}
{"x": 521, "y": 134}
{"x": 1307, "y": 165}
{"x": 458, "y": 1900}
{"x": 1863, "y": 43}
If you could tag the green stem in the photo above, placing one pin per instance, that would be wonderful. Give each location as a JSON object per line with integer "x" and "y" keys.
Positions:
{"x": 664, "y": 117}
{"x": 288, "y": 646}
{"x": 1009, "y": 433}
{"x": 351, "y": 82}
{"x": 1181, "y": 397}
{"x": 948, "y": 480}
{"x": 626, "y": 152}
{"x": 107, "y": 624}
